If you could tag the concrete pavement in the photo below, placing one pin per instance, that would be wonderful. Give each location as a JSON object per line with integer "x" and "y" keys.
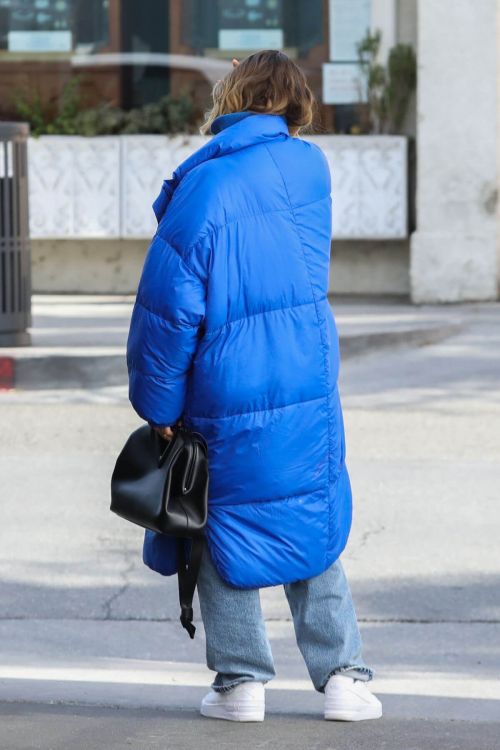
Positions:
{"x": 83, "y": 622}
{"x": 39, "y": 727}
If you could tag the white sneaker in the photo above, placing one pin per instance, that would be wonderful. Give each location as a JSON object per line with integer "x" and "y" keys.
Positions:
{"x": 245, "y": 702}
{"x": 347, "y": 699}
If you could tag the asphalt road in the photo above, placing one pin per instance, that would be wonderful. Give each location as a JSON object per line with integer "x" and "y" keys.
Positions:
{"x": 39, "y": 727}
{"x": 83, "y": 622}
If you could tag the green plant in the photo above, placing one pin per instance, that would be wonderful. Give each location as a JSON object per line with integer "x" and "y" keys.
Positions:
{"x": 102, "y": 120}
{"x": 40, "y": 120}
{"x": 402, "y": 69}
{"x": 31, "y": 111}
{"x": 69, "y": 105}
{"x": 179, "y": 112}
{"x": 168, "y": 115}
{"x": 389, "y": 88}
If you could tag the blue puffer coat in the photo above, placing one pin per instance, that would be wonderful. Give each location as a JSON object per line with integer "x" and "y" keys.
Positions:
{"x": 232, "y": 330}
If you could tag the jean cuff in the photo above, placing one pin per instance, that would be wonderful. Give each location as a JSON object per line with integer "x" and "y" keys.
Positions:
{"x": 358, "y": 673}
{"x": 229, "y": 684}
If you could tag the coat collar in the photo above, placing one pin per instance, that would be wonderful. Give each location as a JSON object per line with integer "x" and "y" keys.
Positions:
{"x": 225, "y": 121}
{"x": 236, "y": 131}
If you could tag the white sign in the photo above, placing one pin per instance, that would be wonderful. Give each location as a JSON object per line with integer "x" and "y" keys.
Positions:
{"x": 250, "y": 38}
{"x": 349, "y": 22}
{"x": 343, "y": 83}
{"x": 39, "y": 41}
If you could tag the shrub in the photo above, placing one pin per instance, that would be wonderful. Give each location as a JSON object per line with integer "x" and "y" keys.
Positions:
{"x": 389, "y": 88}
{"x": 168, "y": 115}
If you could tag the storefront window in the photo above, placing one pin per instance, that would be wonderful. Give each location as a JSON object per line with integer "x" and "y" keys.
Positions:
{"x": 250, "y": 24}
{"x": 45, "y": 26}
{"x": 59, "y": 56}
{"x": 223, "y": 28}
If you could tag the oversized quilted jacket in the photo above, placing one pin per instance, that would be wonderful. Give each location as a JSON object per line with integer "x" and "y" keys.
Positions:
{"x": 232, "y": 330}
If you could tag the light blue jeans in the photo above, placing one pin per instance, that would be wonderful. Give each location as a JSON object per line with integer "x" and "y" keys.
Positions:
{"x": 324, "y": 619}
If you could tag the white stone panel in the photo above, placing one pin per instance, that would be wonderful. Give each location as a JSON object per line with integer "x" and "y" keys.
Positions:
{"x": 369, "y": 185}
{"x": 74, "y": 186}
{"x": 146, "y": 161}
{"x": 104, "y": 187}
{"x": 50, "y": 181}
{"x": 97, "y": 187}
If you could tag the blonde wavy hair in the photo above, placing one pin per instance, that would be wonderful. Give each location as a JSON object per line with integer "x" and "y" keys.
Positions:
{"x": 267, "y": 82}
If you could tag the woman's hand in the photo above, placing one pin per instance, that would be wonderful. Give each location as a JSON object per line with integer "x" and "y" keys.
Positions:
{"x": 165, "y": 432}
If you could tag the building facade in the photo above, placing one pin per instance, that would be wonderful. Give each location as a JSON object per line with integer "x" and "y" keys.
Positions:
{"x": 39, "y": 40}
{"x": 129, "y": 54}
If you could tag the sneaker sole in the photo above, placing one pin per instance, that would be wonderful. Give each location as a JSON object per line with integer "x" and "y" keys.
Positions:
{"x": 371, "y": 712}
{"x": 244, "y": 713}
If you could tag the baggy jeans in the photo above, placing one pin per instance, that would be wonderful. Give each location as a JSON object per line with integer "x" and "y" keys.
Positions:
{"x": 324, "y": 620}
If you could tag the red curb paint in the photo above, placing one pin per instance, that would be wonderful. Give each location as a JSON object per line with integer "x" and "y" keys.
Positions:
{"x": 6, "y": 373}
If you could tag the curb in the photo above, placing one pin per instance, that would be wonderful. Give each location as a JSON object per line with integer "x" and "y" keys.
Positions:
{"x": 53, "y": 371}
{"x": 69, "y": 371}
{"x": 364, "y": 343}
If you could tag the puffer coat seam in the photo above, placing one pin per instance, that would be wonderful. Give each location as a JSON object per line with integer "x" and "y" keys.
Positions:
{"x": 180, "y": 253}
{"x": 214, "y": 505}
{"x": 324, "y": 343}
{"x": 257, "y": 411}
{"x": 213, "y": 331}
{"x": 218, "y": 227}
{"x": 166, "y": 320}
{"x": 159, "y": 378}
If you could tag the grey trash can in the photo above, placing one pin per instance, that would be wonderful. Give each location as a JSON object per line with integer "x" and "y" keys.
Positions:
{"x": 15, "y": 251}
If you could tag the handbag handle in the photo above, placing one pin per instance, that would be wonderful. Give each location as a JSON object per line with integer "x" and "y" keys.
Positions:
{"x": 170, "y": 450}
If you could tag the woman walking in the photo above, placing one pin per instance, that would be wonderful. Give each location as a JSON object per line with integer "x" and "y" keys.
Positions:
{"x": 232, "y": 332}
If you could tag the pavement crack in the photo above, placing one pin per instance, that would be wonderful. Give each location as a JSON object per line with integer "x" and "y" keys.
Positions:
{"x": 129, "y": 557}
{"x": 369, "y": 533}
{"x": 363, "y": 540}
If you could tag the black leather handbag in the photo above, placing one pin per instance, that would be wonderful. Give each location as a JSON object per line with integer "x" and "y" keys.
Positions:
{"x": 162, "y": 485}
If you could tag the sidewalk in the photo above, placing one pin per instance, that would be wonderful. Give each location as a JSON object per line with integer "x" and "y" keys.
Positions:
{"x": 91, "y": 651}
{"x": 95, "y": 728}
{"x": 79, "y": 341}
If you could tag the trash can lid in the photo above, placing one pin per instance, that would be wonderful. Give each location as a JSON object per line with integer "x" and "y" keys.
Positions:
{"x": 12, "y": 130}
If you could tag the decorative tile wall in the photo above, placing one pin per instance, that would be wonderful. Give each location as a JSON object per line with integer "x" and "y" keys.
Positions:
{"x": 369, "y": 185}
{"x": 145, "y": 162}
{"x": 74, "y": 186}
{"x": 104, "y": 187}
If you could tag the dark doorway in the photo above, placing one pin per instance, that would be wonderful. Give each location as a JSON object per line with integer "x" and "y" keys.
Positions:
{"x": 144, "y": 28}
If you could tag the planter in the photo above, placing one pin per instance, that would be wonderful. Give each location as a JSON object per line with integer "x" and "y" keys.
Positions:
{"x": 103, "y": 187}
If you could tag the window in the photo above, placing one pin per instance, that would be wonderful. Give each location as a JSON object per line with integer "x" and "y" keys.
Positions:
{"x": 223, "y": 28}
{"x": 44, "y": 26}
